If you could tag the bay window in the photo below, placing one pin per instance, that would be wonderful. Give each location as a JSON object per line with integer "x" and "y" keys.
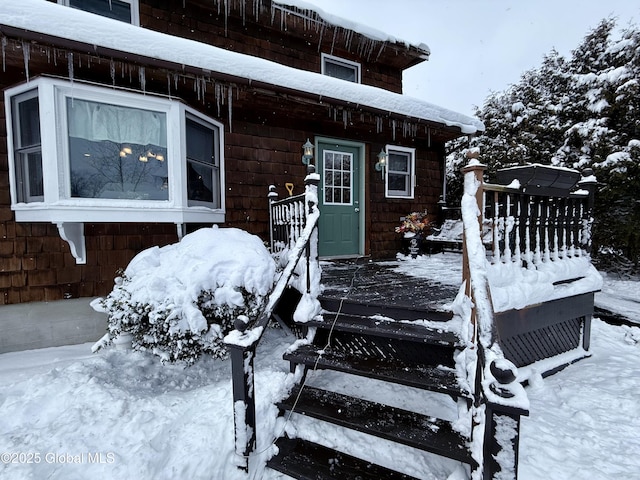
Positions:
{"x": 81, "y": 153}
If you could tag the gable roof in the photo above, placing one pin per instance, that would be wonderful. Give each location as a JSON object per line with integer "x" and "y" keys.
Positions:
{"x": 57, "y": 21}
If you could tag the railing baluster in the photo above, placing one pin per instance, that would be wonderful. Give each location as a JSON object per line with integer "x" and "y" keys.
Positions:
{"x": 518, "y": 230}
{"x": 508, "y": 229}
{"x": 545, "y": 205}
{"x": 496, "y": 229}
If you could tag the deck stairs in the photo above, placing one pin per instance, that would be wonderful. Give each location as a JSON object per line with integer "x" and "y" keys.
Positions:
{"x": 397, "y": 347}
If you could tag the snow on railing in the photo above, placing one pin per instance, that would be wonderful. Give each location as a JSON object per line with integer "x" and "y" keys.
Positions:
{"x": 540, "y": 225}
{"x": 287, "y": 219}
{"x": 499, "y": 399}
{"x": 299, "y": 238}
{"x": 529, "y": 229}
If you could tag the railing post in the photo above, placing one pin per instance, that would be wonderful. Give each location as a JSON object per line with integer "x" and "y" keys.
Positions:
{"x": 272, "y": 196}
{"x": 502, "y": 425}
{"x": 589, "y": 183}
{"x": 311, "y": 182}
{"x": 477, "y": 170}
{"x": 244, "y": 406}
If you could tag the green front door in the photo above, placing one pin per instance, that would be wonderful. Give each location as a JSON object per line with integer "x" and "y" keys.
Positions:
{"x": 339, "y": 196}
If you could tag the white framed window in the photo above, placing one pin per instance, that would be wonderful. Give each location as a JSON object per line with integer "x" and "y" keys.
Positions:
{"x": 340, "y": 68}
{"x": 127, "y": 11}
{"x": 27, "y": 147}
{"x": 400, "y": 172}
{"x": 85, "y": 153}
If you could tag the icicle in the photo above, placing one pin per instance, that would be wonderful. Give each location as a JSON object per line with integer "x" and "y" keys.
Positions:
{"x": 55, "y": 57}
{"x": 26, "y": 53}
{"x": 348, "y": 40}
{"x": 320, "y": 36}
{"x": 175, "y": 81}
{"x": 344, "y": 118}
{"x": 393, "y": 126}
{"x": 333, "y": 42}
{"x": 168, "y": 85}
{"x": 112, "y": 71}
{"x": 226, "y": 18}
{"x": 143, "y": 79}
{"x": 243, "y": 9}
{"x": 217, "y": 95}
{"x": 230, "y": 107}
{"x": 70, "y": 65}
{"x": 382, "y": 45}
{"x": 4, "y": 53}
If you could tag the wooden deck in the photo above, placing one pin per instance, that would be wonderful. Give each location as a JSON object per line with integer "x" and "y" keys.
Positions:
{"x": 377, "y": 283}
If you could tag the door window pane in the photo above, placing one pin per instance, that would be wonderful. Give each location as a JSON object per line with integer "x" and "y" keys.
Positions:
{"x": 338, "y": 176}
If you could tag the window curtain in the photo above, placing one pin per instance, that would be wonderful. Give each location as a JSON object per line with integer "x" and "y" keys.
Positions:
{"x": 100, "y": 121}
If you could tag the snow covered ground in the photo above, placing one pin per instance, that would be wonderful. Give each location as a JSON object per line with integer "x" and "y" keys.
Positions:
{"x": 68, "y": 414}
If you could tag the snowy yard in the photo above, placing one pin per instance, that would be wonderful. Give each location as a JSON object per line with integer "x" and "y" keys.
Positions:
{"x": 68, "y": 414}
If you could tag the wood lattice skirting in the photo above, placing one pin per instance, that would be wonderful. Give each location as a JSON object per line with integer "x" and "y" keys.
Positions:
{"x": 545, "y": 330}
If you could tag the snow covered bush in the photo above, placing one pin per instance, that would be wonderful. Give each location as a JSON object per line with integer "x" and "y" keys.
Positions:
{"x": 179, "y": 301}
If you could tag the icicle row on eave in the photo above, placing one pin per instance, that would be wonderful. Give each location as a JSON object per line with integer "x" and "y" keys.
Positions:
{"x": 311, "y": 21}
{"x": 122, "y": 72}
{"x": 205, "y": 87}
{"x": 410, "y": 129}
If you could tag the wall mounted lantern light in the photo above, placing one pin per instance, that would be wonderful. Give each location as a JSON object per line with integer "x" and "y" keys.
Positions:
{"x": 382, "y": 162}
{"x": 307, "y": 150}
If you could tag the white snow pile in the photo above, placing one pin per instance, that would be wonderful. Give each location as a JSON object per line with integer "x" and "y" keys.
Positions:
{"x": 514, "y": 287}
{"x": 179, "y": 301}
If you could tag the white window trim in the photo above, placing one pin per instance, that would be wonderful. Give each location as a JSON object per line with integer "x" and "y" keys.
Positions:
{"x": 60, "y": 208}
{"x": 135, "y": 10}
{"x": 412, "y": 172}
{"x": 325, "y": 57}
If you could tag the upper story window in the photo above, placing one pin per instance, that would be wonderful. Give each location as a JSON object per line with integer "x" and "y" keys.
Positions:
{"x": 123, "y": 10}
{"x": 81, "y": 153}
{"x": 340, "y": 68}
{"x": 400, "y": 176}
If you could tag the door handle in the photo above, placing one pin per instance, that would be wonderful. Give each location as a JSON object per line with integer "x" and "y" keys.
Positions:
{"x": 357, "y": 210}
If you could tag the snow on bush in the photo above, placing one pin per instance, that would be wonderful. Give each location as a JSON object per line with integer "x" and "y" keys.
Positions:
{"x": 179, "y": 301}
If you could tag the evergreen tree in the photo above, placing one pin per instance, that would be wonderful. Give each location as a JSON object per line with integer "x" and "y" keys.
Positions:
{"x": 579, "y": 113}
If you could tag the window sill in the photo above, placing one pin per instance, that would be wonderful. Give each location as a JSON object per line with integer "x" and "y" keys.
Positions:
{"x": 70, "y": 219}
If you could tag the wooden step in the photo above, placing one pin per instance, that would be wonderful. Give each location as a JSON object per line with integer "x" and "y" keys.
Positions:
{"x": 397, "y": 425}
{"x": 386, "y": 328}
{"x": 394, "y": 370}
{"x": 305, "y": 460}
{"x": 397, "y": 312}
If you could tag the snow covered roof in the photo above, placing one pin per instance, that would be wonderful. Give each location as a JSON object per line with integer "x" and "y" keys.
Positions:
{"x": 58, "y": 21}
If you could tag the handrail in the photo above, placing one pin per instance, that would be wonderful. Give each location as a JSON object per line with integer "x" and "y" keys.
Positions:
{"x": 499, "y": 399}
{"x": 243, "y": 341}
{"x": 242, "y": 330}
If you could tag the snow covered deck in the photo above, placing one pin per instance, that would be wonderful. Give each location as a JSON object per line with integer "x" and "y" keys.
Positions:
{"x": 386, "y": 284}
